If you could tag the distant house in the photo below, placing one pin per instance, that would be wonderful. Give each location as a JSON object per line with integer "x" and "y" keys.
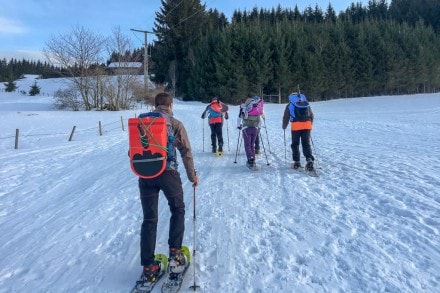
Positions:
{"x": 125, "y": 68}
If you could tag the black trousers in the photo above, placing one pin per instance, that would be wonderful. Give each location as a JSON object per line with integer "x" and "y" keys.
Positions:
{"x": 303, "y": 137}
{"x": 171, "y": 185}
{"x": 216, "y": 134}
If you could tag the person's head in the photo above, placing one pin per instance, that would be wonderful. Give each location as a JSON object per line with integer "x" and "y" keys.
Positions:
{"x": 164, "y": 99}
{"x": 214, "y": 99}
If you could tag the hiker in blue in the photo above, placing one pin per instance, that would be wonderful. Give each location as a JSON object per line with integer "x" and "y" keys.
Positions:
{"x": 216, "y": 111}
{"x": 300, "y": 116}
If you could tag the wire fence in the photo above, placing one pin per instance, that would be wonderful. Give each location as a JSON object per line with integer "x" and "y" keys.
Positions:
{"x": 101, "y": 129}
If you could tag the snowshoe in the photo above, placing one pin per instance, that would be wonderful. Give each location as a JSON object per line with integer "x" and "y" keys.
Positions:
{"x": 251, "y": 165}
{"x": 179, "y": 262}
{"x": 151, "y": 275}
{"x": 310, "y": 169}
{"x": 296, "y": 165}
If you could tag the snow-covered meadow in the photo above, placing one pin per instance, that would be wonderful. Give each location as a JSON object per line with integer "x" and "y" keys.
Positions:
{"x": 70, "y": 215}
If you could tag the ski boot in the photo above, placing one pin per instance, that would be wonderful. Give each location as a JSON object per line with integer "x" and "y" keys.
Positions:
{"x": 296, "y": 165}
{"x": 151, "y": 272}
{"x": 176, "y": 261}
{"x": 251, "y": 164}
{"x": 309, "y": 165}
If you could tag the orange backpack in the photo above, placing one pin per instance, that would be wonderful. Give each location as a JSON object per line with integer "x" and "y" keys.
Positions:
{"x": 150, "y": 144}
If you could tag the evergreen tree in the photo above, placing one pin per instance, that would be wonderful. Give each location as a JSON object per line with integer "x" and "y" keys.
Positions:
{"x": 178, "y": 26}
{"x": 11, "y": 86}
{"x": 35, "y": 89}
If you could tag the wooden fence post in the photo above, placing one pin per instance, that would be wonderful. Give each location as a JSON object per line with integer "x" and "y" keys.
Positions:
{"x": 71, "y": 134}
{"x": 17, "y": 131}
{"x": 100, "y": 129}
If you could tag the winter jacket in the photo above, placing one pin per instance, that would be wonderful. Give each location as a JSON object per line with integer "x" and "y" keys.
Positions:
{"x": 214, "y": 112}
{"x": 247, "y": 120}
{"x": 297, "y": 125}
{"x": 181, "y": 142}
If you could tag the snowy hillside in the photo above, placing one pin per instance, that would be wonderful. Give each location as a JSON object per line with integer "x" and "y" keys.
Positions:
{"x": 70, "y": 214}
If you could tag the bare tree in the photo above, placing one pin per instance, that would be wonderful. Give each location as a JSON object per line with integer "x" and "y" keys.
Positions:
{"x": 119, "y": 90}
{"x": 67, "y": 98}
{"x": 77, "y": 51}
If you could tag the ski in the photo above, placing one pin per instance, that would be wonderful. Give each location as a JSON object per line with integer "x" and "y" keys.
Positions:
{"x": 219, "y": 154}
{"x": 174, "y": 281}
{"x": 145, "y": 287}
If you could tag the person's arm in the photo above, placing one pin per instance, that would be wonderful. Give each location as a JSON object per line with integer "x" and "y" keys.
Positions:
{"x": 204, "y": 113}
{"x": 286, "y": 117}
{"x": 240, "y": 119}
{"x": 184, "y": 147}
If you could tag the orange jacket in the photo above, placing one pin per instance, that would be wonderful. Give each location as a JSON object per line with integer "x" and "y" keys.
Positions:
{"x": 300, "y": 125}
{"x": 216, "y": 107}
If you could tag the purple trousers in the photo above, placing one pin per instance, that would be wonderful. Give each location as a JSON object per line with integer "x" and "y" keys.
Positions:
{"x": 249, "y": 136}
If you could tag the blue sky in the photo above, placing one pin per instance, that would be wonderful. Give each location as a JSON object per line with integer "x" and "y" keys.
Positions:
{"x": 26, "y": 25}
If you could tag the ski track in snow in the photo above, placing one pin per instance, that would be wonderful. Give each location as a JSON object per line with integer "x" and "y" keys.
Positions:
{"x": 70, "y": 214}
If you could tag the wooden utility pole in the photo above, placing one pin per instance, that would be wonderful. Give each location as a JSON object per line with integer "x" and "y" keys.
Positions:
{"x": 145, "y": 56}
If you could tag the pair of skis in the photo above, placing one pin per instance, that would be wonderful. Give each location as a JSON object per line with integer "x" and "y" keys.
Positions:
{"x": 173, "y": 281}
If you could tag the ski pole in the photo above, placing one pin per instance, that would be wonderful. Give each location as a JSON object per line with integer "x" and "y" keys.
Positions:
{"x": 203, "y": 135}
{"x": 227, "y": 132}
{"x": 267, "y": 135}
{"x": 241, "y": 142}
{"x": 314, "y": 151}
{"x": 238, "y": 142}
{"x": 264, "y": 149}
{"x": 285, "y": 151}
{"x": 194, "y": 286}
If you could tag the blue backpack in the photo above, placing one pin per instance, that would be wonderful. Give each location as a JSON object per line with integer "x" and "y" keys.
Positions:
{"x": 299, "y": 107}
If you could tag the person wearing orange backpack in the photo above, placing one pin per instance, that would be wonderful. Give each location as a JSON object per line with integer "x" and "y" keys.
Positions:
{"x": 299, "y": 113}
{"x": 215, "y": 112}
{"x": 170, "y": 183}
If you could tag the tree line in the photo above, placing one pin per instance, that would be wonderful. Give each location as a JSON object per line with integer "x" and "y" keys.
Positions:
{"x": 376, "y": 49}
{"x": 365, "y": 50}
{"x": 14, "y": 69}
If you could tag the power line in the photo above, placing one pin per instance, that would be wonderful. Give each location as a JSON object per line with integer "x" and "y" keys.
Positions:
{"x": 145, "y": 55}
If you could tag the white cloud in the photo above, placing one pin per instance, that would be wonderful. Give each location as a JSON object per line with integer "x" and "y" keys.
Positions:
{"x": 9, "y": 26}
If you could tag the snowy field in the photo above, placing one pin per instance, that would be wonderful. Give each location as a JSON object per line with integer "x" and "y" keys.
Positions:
{"x": 70, "y": 214}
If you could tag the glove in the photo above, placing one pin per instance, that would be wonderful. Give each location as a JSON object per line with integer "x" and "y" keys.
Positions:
{"x": 203, "y": 116}
{"x": 196, "y": 181}
{"x": 240, "y": 127}
{"x": 226, "y": 116}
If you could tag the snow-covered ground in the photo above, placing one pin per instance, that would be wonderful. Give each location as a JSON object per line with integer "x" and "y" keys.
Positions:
{"x": 70, "y": 214}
